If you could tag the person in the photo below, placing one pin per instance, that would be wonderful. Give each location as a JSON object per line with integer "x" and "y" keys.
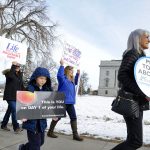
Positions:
{"x": 138, "y": 41}
{"x": 66, "y": 84}
{"x": 14, "y": 82}
{"x": 39, "y": 81}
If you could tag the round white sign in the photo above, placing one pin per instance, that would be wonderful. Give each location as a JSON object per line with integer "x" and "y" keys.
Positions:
{"x": 142, "y": 74}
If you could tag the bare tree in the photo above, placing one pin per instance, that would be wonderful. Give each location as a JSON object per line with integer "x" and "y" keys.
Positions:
{"x": 89, "y": 89}
{"x": 27, "y": 21}
{"x": 83, "y": 83}
{"x": 28, "y": 68}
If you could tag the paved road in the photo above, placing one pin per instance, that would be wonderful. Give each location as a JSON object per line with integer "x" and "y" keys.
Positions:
{"x": 10, "y": 141}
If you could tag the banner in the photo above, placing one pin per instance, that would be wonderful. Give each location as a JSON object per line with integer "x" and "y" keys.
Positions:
{"x": 40, "y": 105}
{"x": 142, "y": 74}
{"x": 12, "y": 51}
{"x": 71, "y": 55}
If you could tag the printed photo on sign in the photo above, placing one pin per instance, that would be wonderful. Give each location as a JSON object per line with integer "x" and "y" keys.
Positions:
{"x": 40, "y": 105}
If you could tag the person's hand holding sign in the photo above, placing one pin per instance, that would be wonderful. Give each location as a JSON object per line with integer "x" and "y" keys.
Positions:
{"x": 14, "y": 63}
{"x": 61, "y": 62}
{"x": 78, "y": 71}
{"x": 24, "y": 120}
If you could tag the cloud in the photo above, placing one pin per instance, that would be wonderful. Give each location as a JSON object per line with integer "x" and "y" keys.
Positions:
{"x": 91, "y": 56}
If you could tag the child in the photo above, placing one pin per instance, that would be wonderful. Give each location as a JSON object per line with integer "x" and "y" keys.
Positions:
{"x": 67, "y": 85}
{"x": 39, "y": 81}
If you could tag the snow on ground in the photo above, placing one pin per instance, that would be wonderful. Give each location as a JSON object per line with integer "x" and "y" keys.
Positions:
{"x": 96, "y": 119}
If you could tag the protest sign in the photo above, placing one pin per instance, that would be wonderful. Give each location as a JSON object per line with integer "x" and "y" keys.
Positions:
{"x": 71, "y": 55}
{"x": 40, "y": 105}
{"x": 12, "y": 51}
{"x": 142, "y": 74}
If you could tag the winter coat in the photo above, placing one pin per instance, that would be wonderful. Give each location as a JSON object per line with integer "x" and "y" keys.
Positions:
{"x": 126, "y": 76}
{"x": 14, "y": 82}
{"x": 67, "y": 86}
{"x": 37, "y": 125}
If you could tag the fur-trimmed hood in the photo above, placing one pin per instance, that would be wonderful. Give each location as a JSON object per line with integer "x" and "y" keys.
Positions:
{"x": 5, "y": 71}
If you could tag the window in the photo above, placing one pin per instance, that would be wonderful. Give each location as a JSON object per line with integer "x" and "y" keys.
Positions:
{"x": 106, "y": 92}
{"x": 107, "y": 73}
{"x": 106, "y": 82}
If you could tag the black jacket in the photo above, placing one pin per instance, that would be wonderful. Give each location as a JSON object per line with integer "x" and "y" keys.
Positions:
{"x": 14, "y": 82}
{"x": 126, "y": 75}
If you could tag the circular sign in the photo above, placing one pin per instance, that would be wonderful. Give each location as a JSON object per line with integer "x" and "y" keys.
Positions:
{"x": 142, "y": 74}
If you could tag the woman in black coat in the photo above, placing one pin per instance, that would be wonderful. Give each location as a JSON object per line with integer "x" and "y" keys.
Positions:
{"x": 14, "y": 82}
{"x": 138, "y": 41}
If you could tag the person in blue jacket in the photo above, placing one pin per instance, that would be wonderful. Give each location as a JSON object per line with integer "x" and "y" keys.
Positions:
{"x": 39, "y": 81}
{"x": 66, "y": 84}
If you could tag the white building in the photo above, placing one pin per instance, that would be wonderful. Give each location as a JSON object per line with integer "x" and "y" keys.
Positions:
{"x": 108, "y": 82}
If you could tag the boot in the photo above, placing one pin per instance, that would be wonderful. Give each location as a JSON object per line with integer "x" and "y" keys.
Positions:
{"x": 74, "y": 131}
{"x": 18, "y": 130}
{"x": 5, "y": 128}
{"x": 50, "y": 132}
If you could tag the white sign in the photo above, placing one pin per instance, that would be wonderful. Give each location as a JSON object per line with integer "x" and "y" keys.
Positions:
{"x": 142, "y": 74}
{"x": 71, "y": 55}
{"x": 12, "y": 51}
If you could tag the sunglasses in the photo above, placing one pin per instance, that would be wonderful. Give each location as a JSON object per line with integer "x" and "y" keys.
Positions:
{"x": 70, "y": 68}
{"x": 17, "y": 66}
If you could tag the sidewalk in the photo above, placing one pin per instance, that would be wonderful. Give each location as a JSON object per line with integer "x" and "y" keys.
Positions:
{"x": 10, "y": 141}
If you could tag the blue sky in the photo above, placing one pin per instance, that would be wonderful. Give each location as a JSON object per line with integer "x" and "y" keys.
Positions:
{"x": 99, "y": 28}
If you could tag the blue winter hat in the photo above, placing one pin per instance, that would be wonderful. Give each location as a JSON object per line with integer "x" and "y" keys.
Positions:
{"x": 40, "y": 72}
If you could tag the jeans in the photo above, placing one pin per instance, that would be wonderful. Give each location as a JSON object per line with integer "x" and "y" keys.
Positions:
{"x": 134, "y": 134}
{"x": 71, "y": 112}
{"x": 11, "y": 110}
{"x": 35, "y": 141}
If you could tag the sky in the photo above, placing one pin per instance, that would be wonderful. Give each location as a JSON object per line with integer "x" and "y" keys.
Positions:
{"x": 99, "y": 28}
